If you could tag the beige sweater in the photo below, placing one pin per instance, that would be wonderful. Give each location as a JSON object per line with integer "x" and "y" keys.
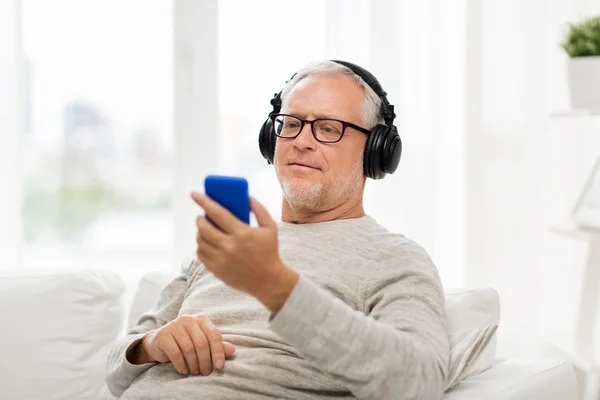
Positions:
{"x": 365, "y": 321}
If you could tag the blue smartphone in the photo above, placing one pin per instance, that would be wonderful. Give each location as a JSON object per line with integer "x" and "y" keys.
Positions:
{"x": 231, "y": 192}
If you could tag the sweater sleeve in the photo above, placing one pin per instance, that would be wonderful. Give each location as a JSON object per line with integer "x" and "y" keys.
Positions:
{"x": 120, "y": 372}
{"x": 396, "y": 349}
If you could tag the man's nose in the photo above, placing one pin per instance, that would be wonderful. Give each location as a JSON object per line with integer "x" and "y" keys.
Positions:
{"x": 305, "y": 139}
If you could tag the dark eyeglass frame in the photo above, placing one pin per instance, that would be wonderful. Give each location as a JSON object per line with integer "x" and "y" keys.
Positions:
{"x": 345, "y": 125}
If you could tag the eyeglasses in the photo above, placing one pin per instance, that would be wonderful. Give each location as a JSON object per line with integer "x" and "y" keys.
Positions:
{"x": 325, "y": 130}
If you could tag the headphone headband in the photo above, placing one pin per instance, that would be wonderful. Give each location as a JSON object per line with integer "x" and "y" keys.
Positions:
{"x": 387, "y": 109}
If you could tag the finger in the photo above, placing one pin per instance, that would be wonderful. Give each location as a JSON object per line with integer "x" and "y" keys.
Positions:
{"x": 262, "y": 215}
{"x": 202, "y": 347}
{"x": 219, "y": 215}
{"x": 229, "y": 349}
{"x": 205, "y": 251}
{"x": 188, "y": 349}
{"x": 171, "y": 349}
{"x": 204, "y": 259}
{"x": 209, "y": 232}
{"x": 216, "y": 342}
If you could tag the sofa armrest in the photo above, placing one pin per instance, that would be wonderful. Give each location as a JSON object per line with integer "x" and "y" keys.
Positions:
{"x": 520, "y": 380}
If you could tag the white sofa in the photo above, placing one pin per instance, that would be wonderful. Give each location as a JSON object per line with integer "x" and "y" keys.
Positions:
{"x": 57, "y": 328}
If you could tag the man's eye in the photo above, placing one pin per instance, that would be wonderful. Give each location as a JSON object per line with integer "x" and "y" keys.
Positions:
{"x": 292, "y": 125}
{"x": 329, "y": 129}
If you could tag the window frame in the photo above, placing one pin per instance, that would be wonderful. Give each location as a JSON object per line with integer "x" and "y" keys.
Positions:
{"x": 12, "y": 126}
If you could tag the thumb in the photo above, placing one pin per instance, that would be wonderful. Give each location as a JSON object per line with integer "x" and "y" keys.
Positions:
{"x": 229, "y": 349}
{"x": 262, "y": 215}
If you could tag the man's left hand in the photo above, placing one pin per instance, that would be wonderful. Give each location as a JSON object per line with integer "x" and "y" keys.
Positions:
{"x": 244, "y": 257}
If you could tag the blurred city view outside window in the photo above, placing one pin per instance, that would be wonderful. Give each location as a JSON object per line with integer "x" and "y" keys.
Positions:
{"x": 99, "y": 138}
{"x": 98, "y": 133}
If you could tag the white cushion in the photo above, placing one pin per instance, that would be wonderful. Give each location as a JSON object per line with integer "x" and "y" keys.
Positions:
{"x": 474, "y": 310}
{"x": 147, "y": 294}
{"x": 56, "y": 333}
{"x": 520, "y": 379}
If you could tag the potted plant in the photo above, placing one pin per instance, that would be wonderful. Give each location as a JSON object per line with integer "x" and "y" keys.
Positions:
{"x": 583, "y": 47}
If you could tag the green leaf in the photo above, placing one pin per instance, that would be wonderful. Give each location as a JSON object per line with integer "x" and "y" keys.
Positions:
{"x": 583, "y": 39}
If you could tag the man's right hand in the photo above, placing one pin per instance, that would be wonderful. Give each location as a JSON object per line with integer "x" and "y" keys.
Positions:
{"x": 191, "y": 342}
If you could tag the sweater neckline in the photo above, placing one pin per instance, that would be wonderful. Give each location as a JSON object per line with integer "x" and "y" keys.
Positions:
{"x": 330, "y": 223}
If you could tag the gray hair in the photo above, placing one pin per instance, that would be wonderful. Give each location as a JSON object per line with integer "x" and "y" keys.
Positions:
{"x": 371, "y": 109}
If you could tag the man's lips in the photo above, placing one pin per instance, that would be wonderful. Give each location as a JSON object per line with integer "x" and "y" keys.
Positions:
{"x": 303, "y": 165}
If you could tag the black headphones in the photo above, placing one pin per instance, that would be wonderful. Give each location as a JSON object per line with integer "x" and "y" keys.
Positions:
{"x": 383, "y": 148}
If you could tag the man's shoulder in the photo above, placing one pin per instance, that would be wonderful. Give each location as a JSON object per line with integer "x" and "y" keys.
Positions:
{"x": 390, "y": 240}
{"x": 396, "y": 245}
{"x": 398, "y": 251}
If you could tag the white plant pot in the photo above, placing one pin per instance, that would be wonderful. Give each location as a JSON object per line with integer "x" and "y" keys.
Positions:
{"x": 584, "y": 82}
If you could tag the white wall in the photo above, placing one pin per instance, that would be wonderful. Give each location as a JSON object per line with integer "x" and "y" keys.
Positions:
{"x": 571, "y": 148}
{"x": 10, "y": 134}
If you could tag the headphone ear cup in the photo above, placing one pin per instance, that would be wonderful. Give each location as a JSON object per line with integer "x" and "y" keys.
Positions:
{"x": 392, "y": 151}
{"x": 382, "y": 152}
{"x": 373, "y": 154}
{"x": 266, "y": 141}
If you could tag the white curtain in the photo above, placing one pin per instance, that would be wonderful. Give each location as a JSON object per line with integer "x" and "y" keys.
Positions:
{"x": 416, "y": 50}
{"x": 10, "y": 134}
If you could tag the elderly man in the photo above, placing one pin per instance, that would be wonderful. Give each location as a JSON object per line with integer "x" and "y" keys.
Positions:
{"x": 326, "y": 304}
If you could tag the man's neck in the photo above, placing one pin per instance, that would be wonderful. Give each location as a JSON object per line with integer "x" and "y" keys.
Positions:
{"x": 297, "y": 215}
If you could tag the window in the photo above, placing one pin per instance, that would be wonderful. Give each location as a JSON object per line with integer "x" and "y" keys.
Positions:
{"x": 99, "y": 133}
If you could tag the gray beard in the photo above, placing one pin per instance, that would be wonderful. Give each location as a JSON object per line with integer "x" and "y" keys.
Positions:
{"x": 317, "y": 198}
{"x": 309, "y": 198}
